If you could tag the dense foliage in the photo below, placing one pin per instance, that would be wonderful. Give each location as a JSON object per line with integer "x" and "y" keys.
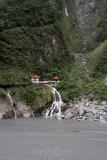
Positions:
{"x": 98, "y": 59}
{"x": 34, "y": 96}
{"x": 102, "y": 25}
{"x": 33, "y": 13}
{"x": 36, "y": 37}
{"x": 32, "y": 38}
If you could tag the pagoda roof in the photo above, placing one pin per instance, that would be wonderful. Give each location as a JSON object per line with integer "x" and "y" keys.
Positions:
{"x": 56, "y": 78}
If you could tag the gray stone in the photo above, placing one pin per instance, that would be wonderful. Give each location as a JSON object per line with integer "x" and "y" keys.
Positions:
{"x": 87, "y": 110}
{"x": 81, "y": 111}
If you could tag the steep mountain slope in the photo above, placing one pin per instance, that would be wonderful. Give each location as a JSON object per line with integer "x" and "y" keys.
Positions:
{"x": 31, "y": 35}
{"x": 89, "y": 14}
{"x": 46, "y": 37}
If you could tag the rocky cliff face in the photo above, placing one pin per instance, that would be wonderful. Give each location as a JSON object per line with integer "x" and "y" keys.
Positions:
{"x": 43, "y": 37}
{"x": 88, "y": 14}
{"x": 86, "y": 17}
{"x": 37, "y": 38}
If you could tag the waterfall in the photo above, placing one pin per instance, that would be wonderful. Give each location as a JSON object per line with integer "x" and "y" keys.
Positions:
{"x": 66, "y": 11}
{"x": 55, "y": 110}
{"x": 8, "y": 95}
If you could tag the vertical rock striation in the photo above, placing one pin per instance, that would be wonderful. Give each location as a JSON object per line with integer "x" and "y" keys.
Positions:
{"x": 88, "y": 13}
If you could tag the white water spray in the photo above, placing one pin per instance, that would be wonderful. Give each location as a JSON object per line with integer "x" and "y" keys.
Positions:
{"x": 66, "y": 11}
{"x": 11, "y": 103}
{"x": 55, "y": 110}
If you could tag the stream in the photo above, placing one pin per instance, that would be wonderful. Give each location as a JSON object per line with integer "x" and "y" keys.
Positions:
{"x": 55, "y": 110}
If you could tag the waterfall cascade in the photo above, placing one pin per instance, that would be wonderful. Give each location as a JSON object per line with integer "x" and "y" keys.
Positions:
{"x": 8, "y": 95}
{"x": 66, "y": 11}
{"x": 55, "y": 110}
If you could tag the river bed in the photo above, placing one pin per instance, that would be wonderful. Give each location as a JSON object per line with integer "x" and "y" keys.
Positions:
{"x": 50, "y": 139}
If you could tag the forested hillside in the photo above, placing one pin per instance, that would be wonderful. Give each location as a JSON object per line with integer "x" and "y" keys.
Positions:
{"x": 30, "y": 36}
{"x": 46, "y": 37}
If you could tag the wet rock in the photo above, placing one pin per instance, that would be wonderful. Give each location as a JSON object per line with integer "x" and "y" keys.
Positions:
{"x": 1, "y": 115}
{"x": 84, "y": 118}
{"x": 22, "y": 111}
{"x": 87, "y": 110}
{"x": 81, "y": 112}
{"x": 8, "y": 114}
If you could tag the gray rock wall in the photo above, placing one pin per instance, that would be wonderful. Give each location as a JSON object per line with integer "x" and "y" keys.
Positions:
{"x": 88, "y": 13}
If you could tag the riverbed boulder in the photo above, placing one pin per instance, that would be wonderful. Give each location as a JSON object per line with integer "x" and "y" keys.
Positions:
{"x": 87, "y": 110}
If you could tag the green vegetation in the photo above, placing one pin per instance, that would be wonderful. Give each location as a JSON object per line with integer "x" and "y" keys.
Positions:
{"x": 34, "y": 96}
{"x": 36, "y": 37}
{"x": 97, "y": 63}
{"x": 2, "y": 96}
{"x": 98, "y": 60}
{"x": 33, "y": 37}
{"x": 11, "y": 76}
{"x": 102, "y": 25}
{"x": 73, "y": 81}
{"x": 33, "y": 13}
{"x": 96, "y": 89}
